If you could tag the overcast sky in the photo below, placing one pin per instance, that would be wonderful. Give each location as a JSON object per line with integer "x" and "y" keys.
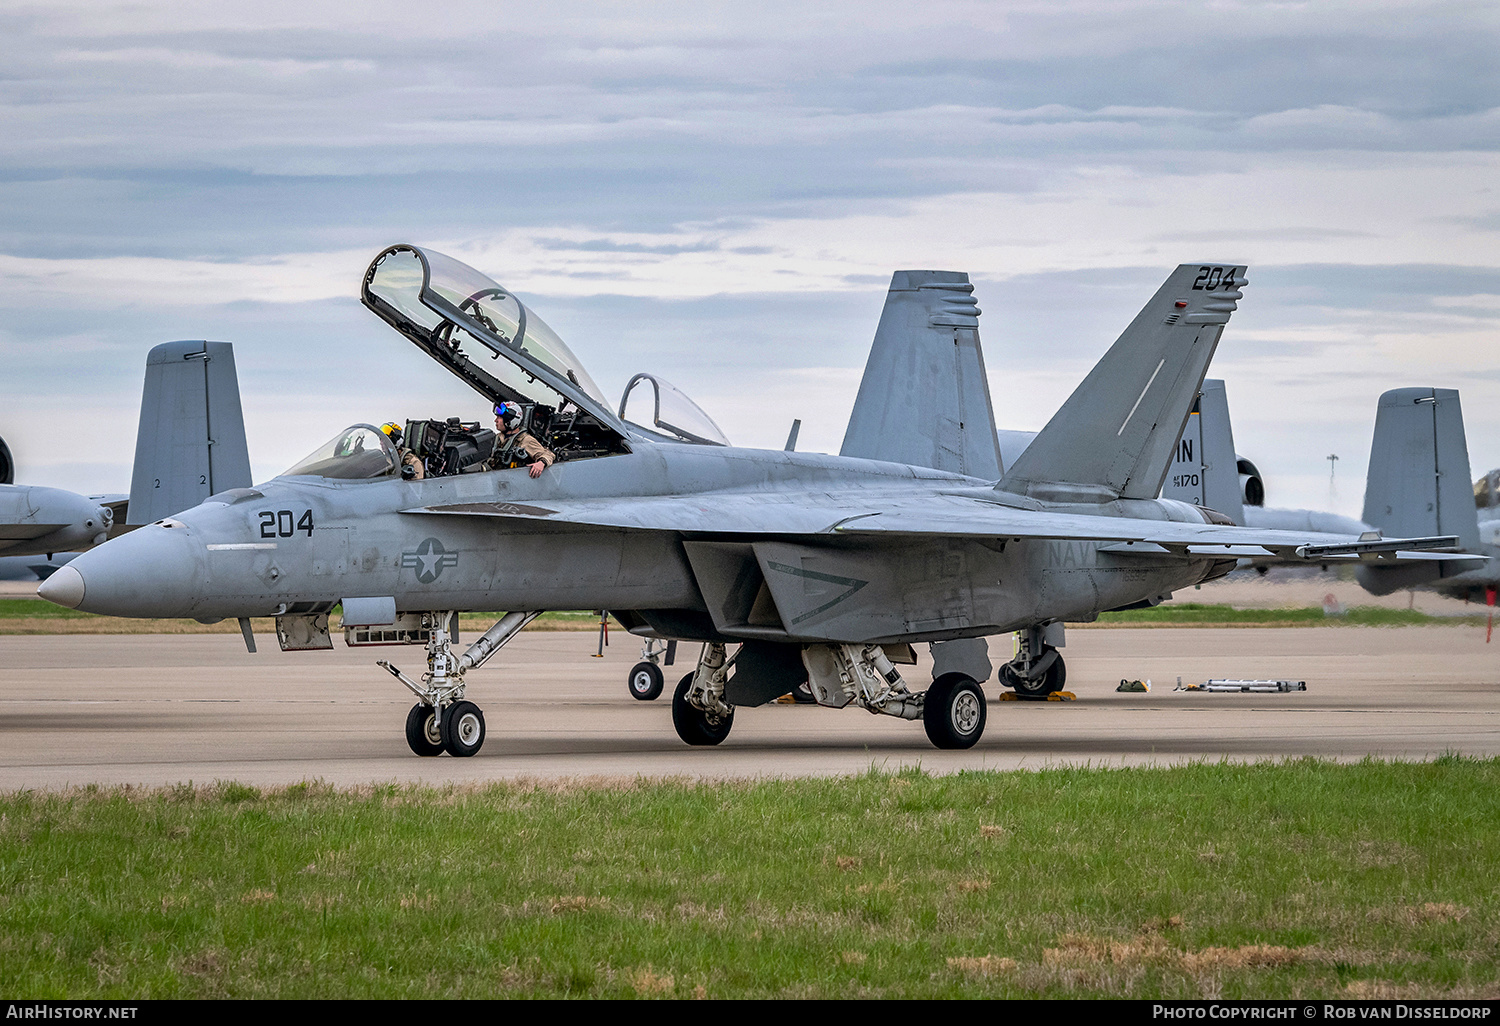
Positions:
{"x": 720, "y": 192}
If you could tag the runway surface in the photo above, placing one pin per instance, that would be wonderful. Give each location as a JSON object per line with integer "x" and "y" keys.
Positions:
{"x": 160, "y": 709}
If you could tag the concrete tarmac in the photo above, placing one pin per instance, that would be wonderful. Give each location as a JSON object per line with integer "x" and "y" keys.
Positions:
{"x": 163, "y": 709}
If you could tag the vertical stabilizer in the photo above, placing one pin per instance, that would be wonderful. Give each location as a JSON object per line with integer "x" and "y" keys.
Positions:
{"x": 1204, "y": 467}
{"x": 1418, "y": 483}
{"x": 191, "y": 439}
{"x": 1116, "y": 434}
{"x": 924, "y": 400}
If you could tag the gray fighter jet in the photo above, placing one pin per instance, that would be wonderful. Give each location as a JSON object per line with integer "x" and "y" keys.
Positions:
{"x": 1419, "y": 475}
{"x": 190, "y": 444}
{"x": 821, "y": 569}
{"x": 1417, "y": 483}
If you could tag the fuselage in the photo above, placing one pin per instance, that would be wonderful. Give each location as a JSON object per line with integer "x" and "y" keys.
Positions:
{"x": 72, "y": 521}
{"x": 299, "y": 545}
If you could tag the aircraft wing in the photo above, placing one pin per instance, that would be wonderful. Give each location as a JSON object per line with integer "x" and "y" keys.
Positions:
{"x": 861, "y": 513}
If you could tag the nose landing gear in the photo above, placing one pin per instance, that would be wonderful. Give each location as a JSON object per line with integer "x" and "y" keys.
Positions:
{"x": 463, "y": 729}
{"x": 646, "y": 679}
{"x": 423, "y": 734}
{"x": 442, "y": 721}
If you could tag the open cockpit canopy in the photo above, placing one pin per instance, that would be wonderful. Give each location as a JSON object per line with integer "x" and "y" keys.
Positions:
{"x": 482, "y": 333}
{"x": 670, "y": 412}
{"x": 354, "y": 454}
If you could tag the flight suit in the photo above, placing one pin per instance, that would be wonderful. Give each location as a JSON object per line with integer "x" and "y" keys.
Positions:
{"x": 411, "y": 459}
{"x": 519, "y": 451}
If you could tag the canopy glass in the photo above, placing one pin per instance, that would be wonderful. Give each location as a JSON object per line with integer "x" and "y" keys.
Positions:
{"x": 479, "y": 326}
{"x": 666, "y": 408}
{"x": 356, "y": 453}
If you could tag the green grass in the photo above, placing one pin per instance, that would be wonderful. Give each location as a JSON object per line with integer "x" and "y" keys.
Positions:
{"x": 37, "y": 609}
{"x": 1191, "y": 614}
{"x": 1301, "y": 879}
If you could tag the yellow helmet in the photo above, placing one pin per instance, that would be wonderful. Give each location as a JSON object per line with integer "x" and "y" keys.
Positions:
{"x": 392, "y": 431}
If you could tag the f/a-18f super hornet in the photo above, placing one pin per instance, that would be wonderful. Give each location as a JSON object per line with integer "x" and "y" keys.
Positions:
{"x": 190, "y": 444}
{"x": 821, "y": 569}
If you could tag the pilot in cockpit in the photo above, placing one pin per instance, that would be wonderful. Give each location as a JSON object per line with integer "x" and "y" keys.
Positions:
{"x": 411, "y": 464}
{"x": 516, "y": 447}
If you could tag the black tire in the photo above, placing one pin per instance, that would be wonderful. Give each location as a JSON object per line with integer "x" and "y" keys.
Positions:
{"x": 954, "y": 711}
{"x": 1048, "y": 683}
{"x": 802, "y": 694}
{"x": 645, "y": 682}
{"x": 421, "y": 732}
{"x": 463, "y": 729}
{"x": 693, "y": 724}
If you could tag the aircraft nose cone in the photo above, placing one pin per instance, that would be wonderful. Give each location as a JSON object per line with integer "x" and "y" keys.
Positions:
{"x": 152, "y": 571}
{"x": 65, "y": 587}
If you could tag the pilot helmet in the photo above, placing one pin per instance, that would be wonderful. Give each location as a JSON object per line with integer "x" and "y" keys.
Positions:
{"x": 509, "y": 413}
{"x": 393, "y": 432}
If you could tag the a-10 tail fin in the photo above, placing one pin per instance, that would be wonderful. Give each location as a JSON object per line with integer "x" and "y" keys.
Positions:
{"x": 1418, "y": 482}
{"x": 1205, "y": 469}
{"x": 924, "y": 400}
{"x": 191, "y": 439}
{"x": 1115, "y": 436}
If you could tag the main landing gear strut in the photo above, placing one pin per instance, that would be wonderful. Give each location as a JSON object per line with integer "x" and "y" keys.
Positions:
{"x": 952, "y": 711}
{"x": 1037, "y": 670}
{"x": 442, "y": 721}
{"x": 699, "y": 711}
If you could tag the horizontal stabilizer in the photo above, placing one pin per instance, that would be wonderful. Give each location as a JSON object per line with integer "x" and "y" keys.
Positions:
{"x": 924, "y": 400}
{"x": 1116, "y": 434}
{"x": 1360, "y": 548}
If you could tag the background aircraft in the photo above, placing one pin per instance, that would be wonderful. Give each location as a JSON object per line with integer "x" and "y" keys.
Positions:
{"x": 1419, "y": 474}
{"x": 1206, "y": 471}
{"x": 824, "y": 569}
{"x": 37, "y": 521}
{"x": 1418, "y": 482}
{"x": 189, "y": 444}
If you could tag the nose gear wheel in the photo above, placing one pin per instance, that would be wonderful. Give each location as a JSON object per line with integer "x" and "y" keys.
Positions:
{"x": 463, "y": 729}
{"x": 645, "y": 681}
{"x": 422, "y": 734}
